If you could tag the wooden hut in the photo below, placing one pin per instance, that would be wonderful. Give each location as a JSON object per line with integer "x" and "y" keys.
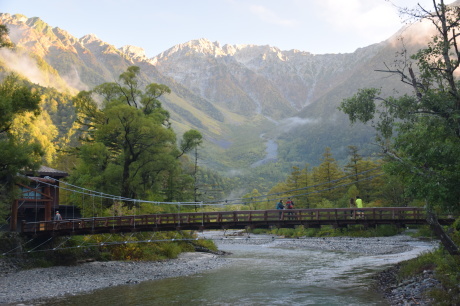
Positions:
{"x": 39, "y": 197}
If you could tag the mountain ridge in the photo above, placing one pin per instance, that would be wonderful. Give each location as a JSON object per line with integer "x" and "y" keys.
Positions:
{"x": 233, "y": 94}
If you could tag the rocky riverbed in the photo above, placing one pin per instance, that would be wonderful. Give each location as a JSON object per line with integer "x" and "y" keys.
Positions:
{"x": 36, "y": 285}
{"x": 412, "y": 291}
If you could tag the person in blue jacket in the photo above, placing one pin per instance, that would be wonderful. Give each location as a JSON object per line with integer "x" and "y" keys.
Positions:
{"x": 280, "y": 205}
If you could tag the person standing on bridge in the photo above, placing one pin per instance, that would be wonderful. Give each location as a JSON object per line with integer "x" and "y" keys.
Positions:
{"x": 58, "y": 216}
{"x": 359, "y": 204}
{"x": 290, "y": 205}
{"x": 352, "y": 205}
{"x": 280, "y": 205}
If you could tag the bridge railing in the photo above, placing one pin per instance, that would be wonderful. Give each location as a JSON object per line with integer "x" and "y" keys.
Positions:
{"x": 244, "y": 217}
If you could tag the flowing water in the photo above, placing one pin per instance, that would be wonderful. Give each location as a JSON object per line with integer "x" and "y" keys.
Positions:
{"x": 262, "y": 275}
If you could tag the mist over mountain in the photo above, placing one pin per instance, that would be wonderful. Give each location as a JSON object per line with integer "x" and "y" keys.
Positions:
{"x": 240, "y": 97}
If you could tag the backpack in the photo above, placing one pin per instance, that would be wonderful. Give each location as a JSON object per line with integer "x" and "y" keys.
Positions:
{"x": 289, "y": 205}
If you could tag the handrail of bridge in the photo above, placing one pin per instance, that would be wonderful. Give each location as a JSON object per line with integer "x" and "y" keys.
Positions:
{"x": 221, "y": 218}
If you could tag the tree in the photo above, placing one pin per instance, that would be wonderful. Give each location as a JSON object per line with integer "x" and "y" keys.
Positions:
{"x": 128, "y": 141}
{"x": 420, "y": 132}
{"x": 17, "y": 155}
{"x": 326, "y": 176}
{"x": 4, "y": 40}
{"x": 353, "y": 167}
{"x": 297, "y": 184}
{"x": 253, "y": 201}
{"x": 362, "y": 173}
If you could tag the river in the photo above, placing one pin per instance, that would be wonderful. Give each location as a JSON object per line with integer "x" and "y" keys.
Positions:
{"x": 271, "y": 151}
{"x": 263, "y": 275}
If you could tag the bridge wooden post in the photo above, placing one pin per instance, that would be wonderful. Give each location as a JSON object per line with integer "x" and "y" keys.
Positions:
{"x": 14, "y": 216}
{"x": 47, "y": 192}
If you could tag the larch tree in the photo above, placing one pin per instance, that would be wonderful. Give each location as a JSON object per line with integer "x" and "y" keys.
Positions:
{"x": 326, "y": 177}
{"x": 363, "y": 173}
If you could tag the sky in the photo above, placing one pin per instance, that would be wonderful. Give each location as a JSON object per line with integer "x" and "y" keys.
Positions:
{"x": 316, "y": 26}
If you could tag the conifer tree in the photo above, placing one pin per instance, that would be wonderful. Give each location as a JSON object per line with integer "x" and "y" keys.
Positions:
{"x": 326, "y": 176}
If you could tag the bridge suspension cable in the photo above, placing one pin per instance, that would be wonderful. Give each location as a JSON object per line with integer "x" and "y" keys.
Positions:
{"x": 102, "y": 195}
{"x": 243, "y": 200}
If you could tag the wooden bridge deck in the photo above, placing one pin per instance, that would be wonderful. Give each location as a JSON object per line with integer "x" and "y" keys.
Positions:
{"x": 337, "y": 217}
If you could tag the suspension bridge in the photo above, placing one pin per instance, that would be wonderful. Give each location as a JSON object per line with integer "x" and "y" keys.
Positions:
{"x": 43, "y": 197}
{"x": 309, "y": 218}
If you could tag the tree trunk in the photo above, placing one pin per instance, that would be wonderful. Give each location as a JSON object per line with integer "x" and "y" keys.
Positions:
{"x": 125, "y": 192}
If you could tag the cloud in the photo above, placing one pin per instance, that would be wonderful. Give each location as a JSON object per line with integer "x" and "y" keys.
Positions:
{"x": 72, "y": 78}
{"x": 363, "y": 18}
{"x": 269, "y": 16}
{"x": 290, "y": 123}
{"x": 24, "y": 65}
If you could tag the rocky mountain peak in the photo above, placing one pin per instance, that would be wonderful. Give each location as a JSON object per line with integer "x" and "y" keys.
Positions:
{"x": 243, "y": 53}
{"x": 90, "y": 38}
{"x": 17, "y": 18}
{"x": 97, "y": 46}
{"x": 197, "y": 46}
{"x": 134, "y": 53}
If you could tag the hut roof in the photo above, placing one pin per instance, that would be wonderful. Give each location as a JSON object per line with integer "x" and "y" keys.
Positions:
{"x": 48, "y": 171}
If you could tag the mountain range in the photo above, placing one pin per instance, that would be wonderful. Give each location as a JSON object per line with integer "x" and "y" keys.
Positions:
{"x": 255, "y": 105}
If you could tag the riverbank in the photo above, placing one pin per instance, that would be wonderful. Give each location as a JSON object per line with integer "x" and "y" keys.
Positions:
{"x": 35, "y": 285}
{"x": 411, "y": 291}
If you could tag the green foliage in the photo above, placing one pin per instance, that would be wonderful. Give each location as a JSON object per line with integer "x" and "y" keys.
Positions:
{"x": 4, "y": 41}
{"x": 331, "y": 186}
{"x": 210, "y": 185}
{"x": 207, "y": 244}
{"x": 423, "y": 232}
{"x": 190, "y": 140}
{"x": 425, "y": 261}
{"x": 15, "y": 99}
{"x": 361, "y": 106}
{"x": 18, "y": 154}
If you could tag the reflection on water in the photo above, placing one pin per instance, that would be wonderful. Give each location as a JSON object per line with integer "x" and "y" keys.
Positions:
{"x": 261, "y": 275}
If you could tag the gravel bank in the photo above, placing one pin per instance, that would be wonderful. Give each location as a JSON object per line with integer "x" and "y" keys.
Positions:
{"x": 45, "y": 283}
{"x": 369, "y": 246}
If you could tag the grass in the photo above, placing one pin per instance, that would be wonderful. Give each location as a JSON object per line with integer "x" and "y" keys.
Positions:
{"x": 105, "y": 247}
{"x": 329, "y": 231}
